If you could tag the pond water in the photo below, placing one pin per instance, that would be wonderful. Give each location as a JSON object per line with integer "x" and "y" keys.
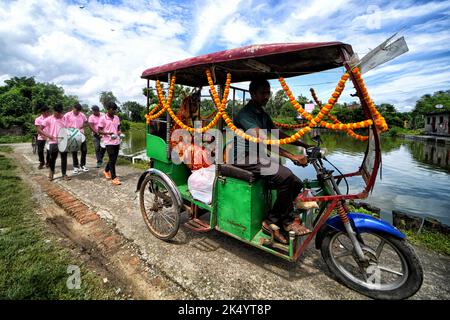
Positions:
{"x": 134, "y": 142}
{"x": 415, "y": 174}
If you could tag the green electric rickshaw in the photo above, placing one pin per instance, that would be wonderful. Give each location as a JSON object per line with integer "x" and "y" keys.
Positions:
{"x": 365, "y": 253}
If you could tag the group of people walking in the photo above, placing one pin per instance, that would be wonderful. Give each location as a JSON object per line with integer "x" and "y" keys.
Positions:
{"x": 105, "y": 128}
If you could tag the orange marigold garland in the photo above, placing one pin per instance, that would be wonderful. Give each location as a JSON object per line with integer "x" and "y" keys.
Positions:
{"x": 290, "y": 126}
{"x": 166, "y": 104}
{"x": 380, "y": 122}
{"x": 313, "y": 121}
{"x": 221, "y": 106}
{"x": 332, "y": 101}
{"x": 337, "y": 122}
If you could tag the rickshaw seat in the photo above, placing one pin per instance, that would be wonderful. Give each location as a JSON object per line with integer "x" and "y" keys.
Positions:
{"x": 228, "y": 170}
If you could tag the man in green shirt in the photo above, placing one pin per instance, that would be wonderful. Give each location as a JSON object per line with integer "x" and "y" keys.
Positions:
{"x": 253, "y": 117}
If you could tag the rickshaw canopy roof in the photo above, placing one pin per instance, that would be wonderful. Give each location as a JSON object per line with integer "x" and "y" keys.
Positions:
{"x": 268, "y": 61}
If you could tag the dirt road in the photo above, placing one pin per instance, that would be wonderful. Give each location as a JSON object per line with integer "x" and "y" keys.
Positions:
{"x": 208, "y": 265}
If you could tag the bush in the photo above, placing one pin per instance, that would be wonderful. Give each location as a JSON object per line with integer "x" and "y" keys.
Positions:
{"x": 394, "y": 132}
{"x": 124, "y": 125}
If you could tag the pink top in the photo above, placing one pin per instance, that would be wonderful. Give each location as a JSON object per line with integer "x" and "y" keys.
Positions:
{"x": 110, "y": 125}
{"x": 52, "y": 126}
{"x": 38, "y": 122}
{"x": 73, "y": 121}
{"x": 94, "y": 120}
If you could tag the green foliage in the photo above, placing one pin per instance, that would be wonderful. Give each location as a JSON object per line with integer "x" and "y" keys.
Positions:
{"x": 180, "y": 92}
{"x": 124, "y": 125}
{"x": 134, "y": 110}
{"x": 20, "y": 96}
{"x": 106, "y": 97}
{"x": 6, "y": 149}
{"x": 137, "y": 126}
{"x": 275, "y": 103}
{"x": 427, "y": 103}
{"x": 432, "y": 240}
{"x": 15, "y": 139}
{"x": 153, "y": 98}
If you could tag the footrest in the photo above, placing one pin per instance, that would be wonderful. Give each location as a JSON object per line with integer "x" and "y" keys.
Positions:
{"x": 267, "y": 241}
{"x": 277, "y": 245}
{"x": 198, "y": 225}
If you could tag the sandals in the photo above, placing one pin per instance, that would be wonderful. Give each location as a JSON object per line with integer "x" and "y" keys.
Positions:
{"x": 297, "y": 227}
{"x": 274, "y": 231}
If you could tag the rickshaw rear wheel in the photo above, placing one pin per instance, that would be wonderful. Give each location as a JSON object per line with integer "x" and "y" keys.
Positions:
{"x": 407, "y": 271}
{"x": 159, "y": 207}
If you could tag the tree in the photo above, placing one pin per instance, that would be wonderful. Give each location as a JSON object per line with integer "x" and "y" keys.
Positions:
{"x": 107, "y": 97}
{"x": 180, "y": 92}
{"x": 275, "y": 103}
{"x": 427, "y": 103}
{"x": 134, "y": 110}
{"x": 20, "y": 96}
{"x": 153, "y": 98}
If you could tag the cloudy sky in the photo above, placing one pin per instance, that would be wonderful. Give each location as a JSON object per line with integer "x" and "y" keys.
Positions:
{"x": 93, "y": 46}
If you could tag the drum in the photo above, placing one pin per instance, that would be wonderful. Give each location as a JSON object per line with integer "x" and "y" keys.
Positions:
{"x": 70, "y": 139}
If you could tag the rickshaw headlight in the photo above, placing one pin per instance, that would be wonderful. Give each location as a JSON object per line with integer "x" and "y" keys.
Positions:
{"x": 323, "y": 152}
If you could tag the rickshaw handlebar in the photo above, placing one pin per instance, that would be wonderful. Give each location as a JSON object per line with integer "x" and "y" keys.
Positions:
{"x": 313, "y": 154}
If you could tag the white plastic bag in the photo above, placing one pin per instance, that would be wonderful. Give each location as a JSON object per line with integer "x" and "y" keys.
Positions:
{"x": 201, "y": 182}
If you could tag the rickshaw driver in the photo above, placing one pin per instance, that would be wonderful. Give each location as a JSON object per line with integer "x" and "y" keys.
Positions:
{"x": 252, "y": 116}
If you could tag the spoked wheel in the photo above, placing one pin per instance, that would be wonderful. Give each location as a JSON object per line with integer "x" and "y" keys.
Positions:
{"x": 391, "y": 270}
{"x": 159, "y": 207}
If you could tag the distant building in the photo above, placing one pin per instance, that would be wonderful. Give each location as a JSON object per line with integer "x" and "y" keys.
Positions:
{"x": 437, "y": 123}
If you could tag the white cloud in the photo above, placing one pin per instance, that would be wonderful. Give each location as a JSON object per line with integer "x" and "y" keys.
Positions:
{"x": 210, "y": 18}
{"x": 237, "y": 32}
{"x": 394, "y": 14}
{"x": 99, "y": 48}
{"x": 317, "y": 9}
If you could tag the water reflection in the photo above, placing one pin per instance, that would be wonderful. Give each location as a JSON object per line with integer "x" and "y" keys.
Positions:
{"x": 133, "y": 142}
{"x": 434, "y": 154}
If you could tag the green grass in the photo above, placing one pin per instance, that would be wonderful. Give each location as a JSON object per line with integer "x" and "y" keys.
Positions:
{"x": 362, "y": 210}
{"x": 432, "y": 240}
{"x": 15, "y": 139}
{"x": 6, "y": 149}
{"x": 396, "y": 131}
{"x": 138, "y": 165}
{"x": 137, "y": 126}
{"x": 32, "y": 264}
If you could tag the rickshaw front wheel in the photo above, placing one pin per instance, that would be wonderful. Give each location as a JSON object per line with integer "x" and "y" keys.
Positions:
{"x": 159, "y": 207}
{"x": 392, "y": 269}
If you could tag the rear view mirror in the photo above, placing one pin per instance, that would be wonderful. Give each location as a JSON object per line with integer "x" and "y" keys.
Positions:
{"x": 317, "y": 139}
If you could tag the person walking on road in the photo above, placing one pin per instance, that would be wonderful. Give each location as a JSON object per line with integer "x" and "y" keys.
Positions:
{"x": 44, "y": 161}
{"x": 94, "y": 120}
{"x": 77, "y": 119}
{"x": 50, "y": 127}
{"x": 109, "y": 128}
